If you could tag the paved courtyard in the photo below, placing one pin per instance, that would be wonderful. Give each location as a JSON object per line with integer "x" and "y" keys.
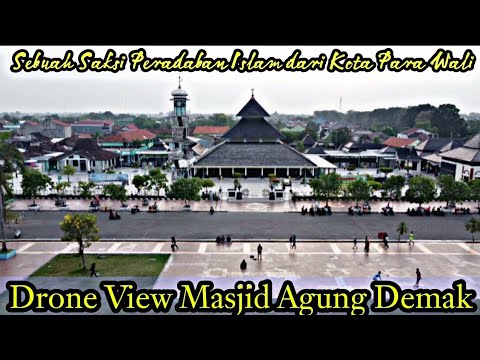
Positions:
{"x": 311, "y": 266}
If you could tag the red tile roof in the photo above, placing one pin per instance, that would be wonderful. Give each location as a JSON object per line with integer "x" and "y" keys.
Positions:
{"x": 130, "y": 127}
{"x": 94, "y": 122}
{"x": 215, "y": 130}
{"x": 61, "y": 123}
{"x": 398, "y": 142}
{"x": 31, "y": 123}
{"x": 130, "y": 136}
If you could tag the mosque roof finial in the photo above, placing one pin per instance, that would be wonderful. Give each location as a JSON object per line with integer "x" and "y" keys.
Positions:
{"x": 253, "y": 96}
{"x": 179, "y": 81}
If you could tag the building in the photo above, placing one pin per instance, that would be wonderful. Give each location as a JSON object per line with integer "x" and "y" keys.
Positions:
{"x": 29, "y": 127}
{"x": 93, "y": 127}
{"x": 416, "y": 133}
{"x": 430, "y": 150}
{"x": 86, "y": 157}
{"x": 463, "y": 163}
{"x": 128, "y": 143}
{"x": 217, "y": 131}
{"x": 254, "y": 148}
{"x": 56, "y": 129}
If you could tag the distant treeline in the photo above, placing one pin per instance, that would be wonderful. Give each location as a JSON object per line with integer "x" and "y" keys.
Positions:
{"x": 443, "y": 120}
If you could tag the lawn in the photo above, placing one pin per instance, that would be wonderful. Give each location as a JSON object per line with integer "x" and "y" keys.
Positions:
{"x": 107, "y": 265}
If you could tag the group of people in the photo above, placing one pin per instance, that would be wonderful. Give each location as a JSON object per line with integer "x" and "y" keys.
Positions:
{"x": 384, "y": 236}
{"x": 153, "y": 208}
{"x": 325, "y": 210}
{"x": 221, "y": 239}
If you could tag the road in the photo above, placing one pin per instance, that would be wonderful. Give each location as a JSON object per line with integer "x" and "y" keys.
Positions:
{"x": 145, "y": 226}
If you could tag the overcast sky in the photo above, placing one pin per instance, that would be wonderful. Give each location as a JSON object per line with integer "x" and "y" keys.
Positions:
{"x": 216, "y": 92}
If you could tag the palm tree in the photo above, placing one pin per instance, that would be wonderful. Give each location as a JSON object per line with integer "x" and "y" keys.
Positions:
{"x": 402, "y": 229}
{"x": 472, "y": 225}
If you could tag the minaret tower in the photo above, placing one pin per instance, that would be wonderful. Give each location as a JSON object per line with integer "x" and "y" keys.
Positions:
{"x": 179, "y": 131}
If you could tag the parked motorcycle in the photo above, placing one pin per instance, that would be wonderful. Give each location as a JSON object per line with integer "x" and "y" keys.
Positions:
{"x": 135, "y": 209}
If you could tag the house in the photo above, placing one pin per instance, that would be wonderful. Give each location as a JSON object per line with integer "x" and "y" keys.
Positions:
{"x": 86, "y": 156}
{"x": 397, "y": 142}
{"x": 128, "y": 143}
{"x": 413, "y": 133}
{"x": 87, "y": 126}
{"x": 29, "y": 127}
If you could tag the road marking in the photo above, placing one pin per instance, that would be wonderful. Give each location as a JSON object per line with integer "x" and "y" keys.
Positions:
{"x": 25, "y": 247}
{"x": 470, "y": 250}
{"x": 335, "y": 248}
{"x": 158, "y": 248}
{"x": 377, "y": 248}
{"x": 202, "y": 248}
{"x": 68, "y": 248}
{"x": 114, "y": 247}
{"x": 246, "y": 248}
{"x": 423, "y": 248}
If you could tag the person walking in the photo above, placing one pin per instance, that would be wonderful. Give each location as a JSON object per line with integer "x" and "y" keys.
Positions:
{"x": 355, "y": 247}
{"x": 419, "y": 277}
{"x": 385, "y": 241}
{"x": 293, "y": 243}
{"x": 377, "y": 276}
{"x": 411, "y": 239}
{"x": 259, "y": 251}
{"x": 93, "y": 270}
{"x": 367, "y": 244}
{"x": 174, "y": 243}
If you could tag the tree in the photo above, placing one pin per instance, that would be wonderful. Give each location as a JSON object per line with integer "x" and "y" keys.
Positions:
{"x": 207, "y": 183}
{"x": 385, "y": 170}
{"x": 61, "y": 186}
{"x": 116, "y": 192}
{"x": 300, "y": 147}
{"x": 68, "y": 170}
{"x": 422, "y": 189}
{"x": 359, "y": 190}
{"x": 447, "y": 120}
{"x": 374, "y": 185}
{"x": 186, "y": 188}
{"x": 451, "y": 190}
{"x": 402, "y": 229}
{"x": 81, "y": 228}
{"x": 86, "y": 188}
{"x": 472, "y": 225}
{"x": 392, "y": 187}
{"x": 34, "y": 181}
{"x": 326, "y": 186}
{"x": 474, "y": 186}
{"x": 158, "y": 179}
{"x": 340, "y": 136}
{"x": 140, "y": 181}
{"x": 10, "y": 160}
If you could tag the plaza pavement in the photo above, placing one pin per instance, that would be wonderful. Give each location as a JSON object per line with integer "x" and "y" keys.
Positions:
{"x": 312, "y": 266}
